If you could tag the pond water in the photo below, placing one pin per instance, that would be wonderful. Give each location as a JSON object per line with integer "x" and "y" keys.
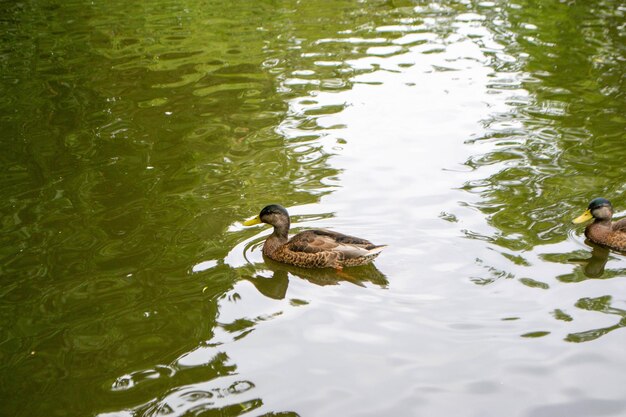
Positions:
{"x": 137, "y": 136}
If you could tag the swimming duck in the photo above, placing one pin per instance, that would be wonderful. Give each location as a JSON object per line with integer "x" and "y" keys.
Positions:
{"x": 316, "y": 248}
{"x": 602, "y": 231}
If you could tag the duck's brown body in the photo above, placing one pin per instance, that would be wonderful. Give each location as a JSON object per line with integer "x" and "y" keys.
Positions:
{"x": 312, "y": 248}
{"x": 321, "y": 249}
{"x": 603, "y": 231}
{"x": 612, "y": 235}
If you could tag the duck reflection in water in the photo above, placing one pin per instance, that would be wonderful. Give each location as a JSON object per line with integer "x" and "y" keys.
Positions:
{"x": 593, "y": 267}
{"x": 275, "y": 287}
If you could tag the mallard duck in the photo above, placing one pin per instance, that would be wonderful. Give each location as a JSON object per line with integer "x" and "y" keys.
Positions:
{"x": 602, "y": 231}
{"x": 312, "y": 248}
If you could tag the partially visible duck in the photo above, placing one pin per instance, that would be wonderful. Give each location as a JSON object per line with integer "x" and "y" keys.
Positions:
{"x": 603, "y": 231}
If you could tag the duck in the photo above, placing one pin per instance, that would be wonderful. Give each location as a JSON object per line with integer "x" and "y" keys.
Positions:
{"x": 603, "y": 231}
{"x": 316, "y": 248}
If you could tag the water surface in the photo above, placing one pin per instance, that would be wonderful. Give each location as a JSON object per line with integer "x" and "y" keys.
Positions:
{"x": 465, "y": 135}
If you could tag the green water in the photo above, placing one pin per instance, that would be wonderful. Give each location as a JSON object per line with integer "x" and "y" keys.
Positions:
{"x": 136, "y": 136}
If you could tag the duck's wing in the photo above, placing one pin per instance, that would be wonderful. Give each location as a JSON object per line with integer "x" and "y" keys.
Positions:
{"x": 619, "y": 226}
{"x": 320, "y": 240}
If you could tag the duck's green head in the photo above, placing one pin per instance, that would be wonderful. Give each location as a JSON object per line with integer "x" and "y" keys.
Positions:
{"x": 599, "y": 208}
{"x": 273, "y": 214}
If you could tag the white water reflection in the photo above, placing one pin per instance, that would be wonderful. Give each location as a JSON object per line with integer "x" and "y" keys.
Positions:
{"x": 401, "y": 144}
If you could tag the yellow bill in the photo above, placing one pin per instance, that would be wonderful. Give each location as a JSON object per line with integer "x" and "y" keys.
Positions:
{"x": 253, "y": 221}
{"x": 583, "y": 217}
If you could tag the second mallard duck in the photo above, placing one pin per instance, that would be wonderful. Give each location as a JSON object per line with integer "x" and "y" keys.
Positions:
{"x": 312, "y": 248}
{"x": 602, "y": 231}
